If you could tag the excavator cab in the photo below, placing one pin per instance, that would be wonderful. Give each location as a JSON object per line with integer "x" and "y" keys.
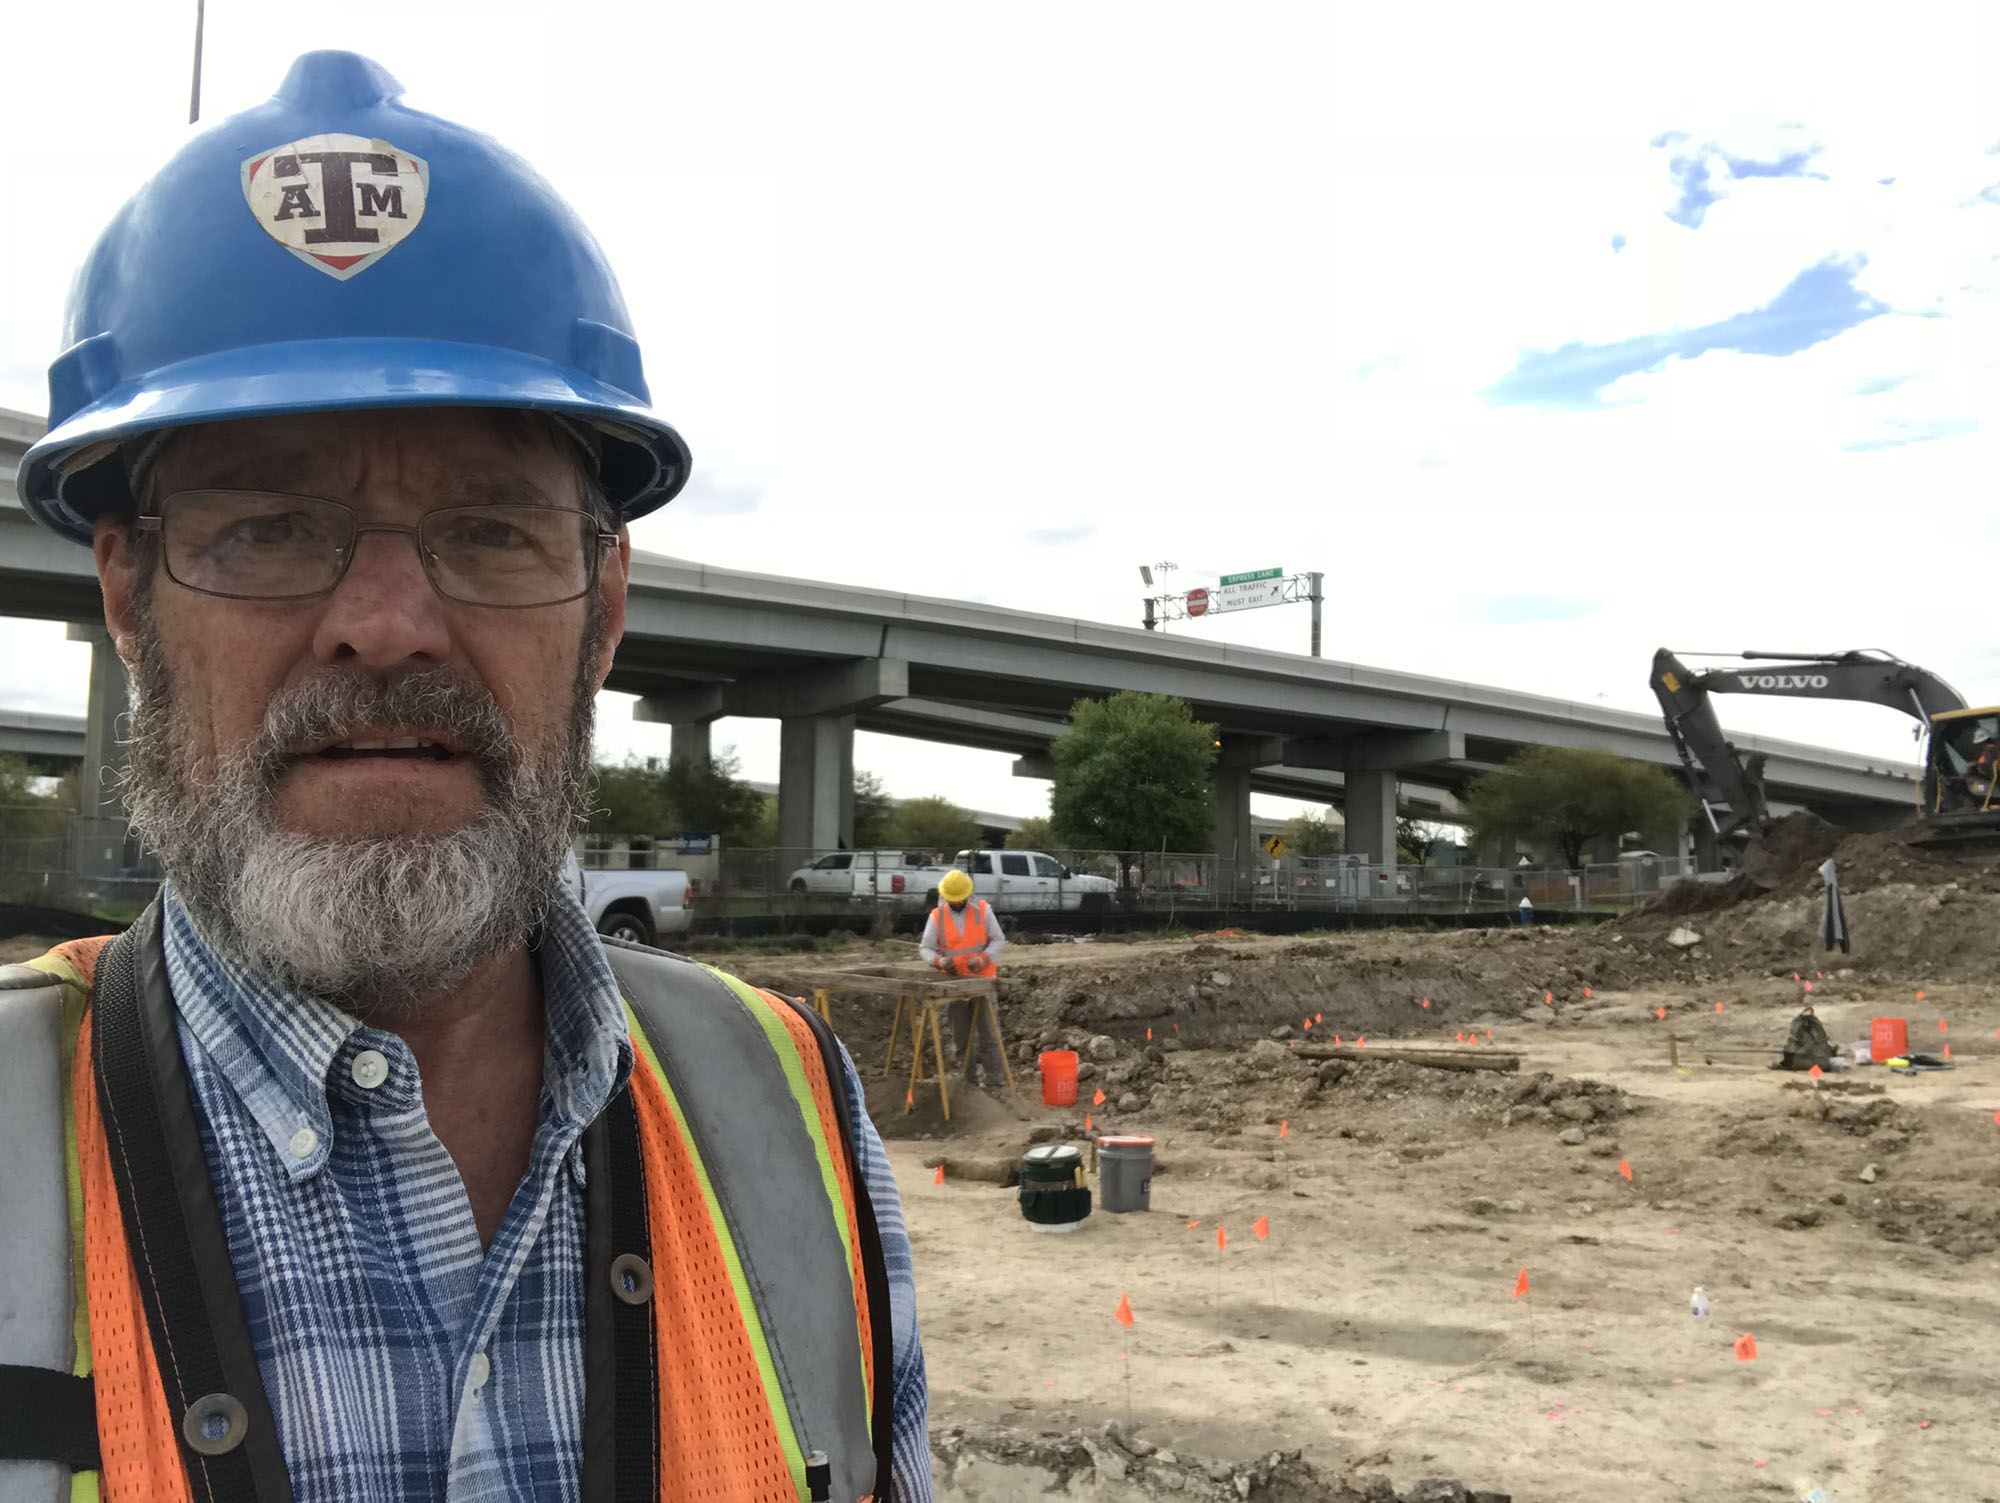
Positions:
{"x": 1961, "y": 784}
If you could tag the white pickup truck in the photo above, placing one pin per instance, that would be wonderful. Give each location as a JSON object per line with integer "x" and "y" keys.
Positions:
{"x": 639, "y": 906}
{"x": 1014, "y": 881}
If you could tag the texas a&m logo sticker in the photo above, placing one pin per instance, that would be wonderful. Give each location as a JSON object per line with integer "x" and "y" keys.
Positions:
{"x": 338, "y": 203}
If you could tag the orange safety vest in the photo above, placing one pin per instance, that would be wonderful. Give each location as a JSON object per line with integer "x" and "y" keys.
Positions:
{"x": 962, "y": 938}
{"x": 728, "y": 1422}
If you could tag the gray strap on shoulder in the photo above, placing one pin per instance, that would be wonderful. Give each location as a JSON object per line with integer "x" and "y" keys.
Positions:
{"x": 766, "y": 1176}
{"x": 37, "y": 1299}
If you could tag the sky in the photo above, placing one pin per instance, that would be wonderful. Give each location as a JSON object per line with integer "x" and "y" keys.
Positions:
{"x": 1551, "y": 334}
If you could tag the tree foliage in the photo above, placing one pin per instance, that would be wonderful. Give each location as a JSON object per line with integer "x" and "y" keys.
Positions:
{"x": 873, "y": 809}
{"x": 1132, "y": 776}
{"x": 29, "y": 808}
{"x": 1565, "y": 797}
{"x": 1034, "y": 833}
{"x": 653, "y": 797}
{"x": 932, "y": 823}
{"x": 1310, "y": 835}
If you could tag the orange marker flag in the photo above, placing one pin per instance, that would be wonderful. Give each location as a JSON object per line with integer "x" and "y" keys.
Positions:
{"x": 1336, "y": 1037}
{"x": 910, "y": 1099}
{"x": 1625, "y": 1168}
{"x": 1361, "y": 1041}
{"x": 1718, "y": 1007}
{"x": 1427, "y": 1001}
{"x": 1098, "y": 1099}
{"x": 1086, "y": 1122}
{"x": 1819, "y": 975}
{"x": 1795, "y": 976}
{"x": 1548, "y": 999}
{"x": 1262, "y": 1227}
{"x": 1149, "y": 1035}
{"x": 1586, "y": 991}
{"x": 1815, "y": 1072}
{"x": 1123, "y": 1314}
{"x": 1319, "y": 1017}
{"x": 1746, "y": 1348}
{"x": 1659, "y": 1012}
{"x": 938, "y": 1178}
{"x": 1284, "y": 1127}
{"x": 1941, "y": 1027}
{"x": 1459, "y": 1037}
{"x": 1221, "y": 1240}
{"x": 1807, "y": 985}
{"x": 1947, "y": 1051}
{"x": 1192, "y": 1225}
{"x": 1521, "y": 1284}
{"x": 1489, "y": 1035}
{"x": 1920, "y": 994}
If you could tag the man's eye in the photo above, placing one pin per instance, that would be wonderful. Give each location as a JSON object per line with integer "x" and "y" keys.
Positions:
{"x": 277, "y": 529}
{"x": 486, "y": 532}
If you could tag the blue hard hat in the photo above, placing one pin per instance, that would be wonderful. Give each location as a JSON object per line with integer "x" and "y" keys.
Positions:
{"x": 334, "y": 249}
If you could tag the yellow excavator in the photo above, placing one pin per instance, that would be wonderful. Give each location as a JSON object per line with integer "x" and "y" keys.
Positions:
{"x": 1958, "y": 796}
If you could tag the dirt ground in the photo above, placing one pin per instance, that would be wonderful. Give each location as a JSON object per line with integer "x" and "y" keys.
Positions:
{"x": 1850, "y": 1227}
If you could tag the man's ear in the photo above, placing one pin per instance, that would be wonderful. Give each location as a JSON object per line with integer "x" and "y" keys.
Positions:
{"x": 117, "y": 574}
{"x": 612, "y": 580}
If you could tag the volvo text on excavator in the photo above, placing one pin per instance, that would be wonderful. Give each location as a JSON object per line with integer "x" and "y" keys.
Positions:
{"x": 1959, "y": 794}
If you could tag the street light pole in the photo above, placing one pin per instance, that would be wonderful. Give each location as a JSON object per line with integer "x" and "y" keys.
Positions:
{"x": 194, "y": 92}
{"x": 1313, "y": 583}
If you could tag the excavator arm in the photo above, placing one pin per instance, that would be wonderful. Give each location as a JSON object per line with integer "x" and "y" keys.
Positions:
{"x": 1731, "y": 787}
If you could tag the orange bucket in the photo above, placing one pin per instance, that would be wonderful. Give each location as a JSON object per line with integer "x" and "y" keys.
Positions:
{"x": 1059, "y": 1077}
{"x": 1888, "y": 1038}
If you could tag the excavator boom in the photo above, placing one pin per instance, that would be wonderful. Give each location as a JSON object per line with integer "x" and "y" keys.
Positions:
{"x": 1731, "y": 787}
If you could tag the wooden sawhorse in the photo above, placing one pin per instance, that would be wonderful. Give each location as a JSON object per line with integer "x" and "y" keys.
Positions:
{"x": 922, "y": 1013}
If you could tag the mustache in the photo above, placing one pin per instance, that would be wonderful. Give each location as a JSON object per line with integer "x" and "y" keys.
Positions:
{"x": 433, "y": 703}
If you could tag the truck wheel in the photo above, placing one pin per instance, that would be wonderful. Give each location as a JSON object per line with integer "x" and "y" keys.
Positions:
{"x": 626, "y": 924}
{"x": 931, "y": 898}
{"x": 799, "y": 886}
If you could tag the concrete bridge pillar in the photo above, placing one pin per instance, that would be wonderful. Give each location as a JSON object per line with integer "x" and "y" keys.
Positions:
{"x": 1229, "y": 809}
{"x": 99, "y": 832}
{"x": 1371, "y": 816}
{"x": 690, "y": 742}
{"x": 816, "y": 782}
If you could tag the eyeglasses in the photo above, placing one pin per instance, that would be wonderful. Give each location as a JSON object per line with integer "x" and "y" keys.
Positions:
{"x": 263, "y": 545}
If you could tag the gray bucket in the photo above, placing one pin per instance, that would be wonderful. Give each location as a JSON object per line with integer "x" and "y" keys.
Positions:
{"x": 1125, "y": 1174}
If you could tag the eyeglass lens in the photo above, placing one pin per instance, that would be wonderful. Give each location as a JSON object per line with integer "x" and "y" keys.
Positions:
{"x": 259, "y": 545}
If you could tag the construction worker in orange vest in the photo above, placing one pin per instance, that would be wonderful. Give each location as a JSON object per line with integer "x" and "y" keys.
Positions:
{"x": 962, "y": 937}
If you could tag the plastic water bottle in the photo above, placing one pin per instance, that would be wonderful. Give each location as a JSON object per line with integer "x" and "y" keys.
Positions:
{"x": 1698, "y": 1303}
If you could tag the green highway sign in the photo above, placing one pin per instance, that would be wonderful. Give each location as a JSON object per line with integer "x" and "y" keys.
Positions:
{"x": 1252, "y": 577}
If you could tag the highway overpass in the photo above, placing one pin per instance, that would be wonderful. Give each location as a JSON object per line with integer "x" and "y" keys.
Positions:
{"x": 824, "y": 659}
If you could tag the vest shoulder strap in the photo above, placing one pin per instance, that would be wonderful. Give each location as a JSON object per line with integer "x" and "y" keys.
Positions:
{"x": 48, "y": 1414}
{"x": 750, "y": 1103}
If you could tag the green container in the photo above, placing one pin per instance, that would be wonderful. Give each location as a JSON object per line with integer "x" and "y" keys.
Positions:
{"x": 1055, "y": 1196}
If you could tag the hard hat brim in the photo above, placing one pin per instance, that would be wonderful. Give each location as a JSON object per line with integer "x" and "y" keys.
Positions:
{"x": 645, "y": 461}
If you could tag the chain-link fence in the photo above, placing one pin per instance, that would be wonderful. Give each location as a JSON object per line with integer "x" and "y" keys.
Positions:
{"x": 889, "y": 884}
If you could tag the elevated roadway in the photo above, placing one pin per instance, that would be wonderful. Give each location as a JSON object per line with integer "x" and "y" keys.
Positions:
{"x": 824, "y": 659}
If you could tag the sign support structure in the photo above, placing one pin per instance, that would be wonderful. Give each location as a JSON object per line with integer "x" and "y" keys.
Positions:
{"x": 1239, "y": 592}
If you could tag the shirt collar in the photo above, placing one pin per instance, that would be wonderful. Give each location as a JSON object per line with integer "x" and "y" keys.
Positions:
{"x": 274, "y": 1047}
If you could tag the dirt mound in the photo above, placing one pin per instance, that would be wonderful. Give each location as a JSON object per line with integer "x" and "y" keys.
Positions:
{"x": 1793, "y": 846}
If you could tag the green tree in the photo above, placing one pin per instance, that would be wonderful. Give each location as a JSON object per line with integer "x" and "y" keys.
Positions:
{"x": 1313, "y": 835}
{"x": 933, "y": 823}
{"x": 1034, "y": 833}
{"x": 1566, "y": 797}
{"x": 628, "y": 798}
{"x": 1132, "y": 776}
{"x": 647, "y": 796}
{"x": 872, "y": 810}
{"x": 29, "y": 810}
{"x": 764, "y": 834}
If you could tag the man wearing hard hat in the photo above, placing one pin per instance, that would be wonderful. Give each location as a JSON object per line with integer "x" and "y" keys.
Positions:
{"x": 962, "y": 937}
{"x": 384, "y": 1177}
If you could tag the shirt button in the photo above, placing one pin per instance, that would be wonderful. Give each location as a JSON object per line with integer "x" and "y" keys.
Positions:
{"x": 482, "y": 1369}
{"x": 304, "y": 1141}
{"x": 369, "y": 1069}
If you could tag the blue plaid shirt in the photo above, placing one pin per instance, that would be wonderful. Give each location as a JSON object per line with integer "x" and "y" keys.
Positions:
{"x": 404, "y": 1361}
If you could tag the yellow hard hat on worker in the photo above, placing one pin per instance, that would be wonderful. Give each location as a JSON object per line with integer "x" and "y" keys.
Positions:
{"x": 956, "y": 886}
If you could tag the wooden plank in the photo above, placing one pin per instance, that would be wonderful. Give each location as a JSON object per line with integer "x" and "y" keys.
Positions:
{"x": 1433, "y": 1059}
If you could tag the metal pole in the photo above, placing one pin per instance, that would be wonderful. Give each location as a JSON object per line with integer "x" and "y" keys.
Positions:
{"x": 1151, "y": 622}
{"x": 1313, "y": 584}
{"x": 194, "y": 94}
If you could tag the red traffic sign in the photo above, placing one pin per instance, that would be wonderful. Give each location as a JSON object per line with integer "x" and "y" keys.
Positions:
{"x": 1197, "y": 602}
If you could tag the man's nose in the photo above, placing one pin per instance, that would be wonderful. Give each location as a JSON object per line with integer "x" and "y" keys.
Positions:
{"x": 384, "y": 611}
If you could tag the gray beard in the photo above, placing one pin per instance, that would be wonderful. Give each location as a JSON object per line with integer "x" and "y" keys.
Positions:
{"x": 372, "y": 925}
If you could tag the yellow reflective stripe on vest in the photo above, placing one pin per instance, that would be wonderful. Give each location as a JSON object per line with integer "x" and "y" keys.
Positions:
{"x": 802, "y": 1096}
{"x": 76, "y": 995}
{"x": 746, "y": 1306}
